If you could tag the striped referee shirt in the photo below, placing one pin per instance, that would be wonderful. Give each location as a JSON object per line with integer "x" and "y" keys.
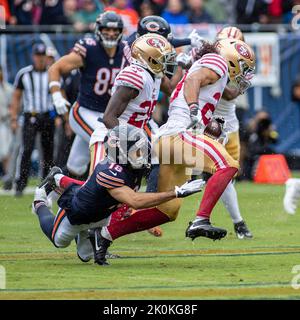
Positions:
{"x": 36, "y": 95}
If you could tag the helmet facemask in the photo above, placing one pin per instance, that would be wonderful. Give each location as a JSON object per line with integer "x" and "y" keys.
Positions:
{"x": 242, "y": 80}
{"x": 107, "y": 42}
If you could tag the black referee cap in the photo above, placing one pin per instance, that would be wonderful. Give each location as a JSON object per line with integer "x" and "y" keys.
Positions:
{"x": 39, "y": 48}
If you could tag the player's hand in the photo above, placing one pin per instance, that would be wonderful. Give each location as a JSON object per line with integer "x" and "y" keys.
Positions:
{"x": 60, "y": 103}
{"x": 196, "y": 39}
{"x": 189, "y": 188}
{"x": 196, "y": 117}
{"x": 184, "y": 60}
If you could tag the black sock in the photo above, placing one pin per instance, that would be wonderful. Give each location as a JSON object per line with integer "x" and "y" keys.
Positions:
{"x": 46, "y": 220}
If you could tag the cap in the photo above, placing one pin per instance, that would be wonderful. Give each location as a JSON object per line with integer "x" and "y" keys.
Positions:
{"x": 39, "y": 48}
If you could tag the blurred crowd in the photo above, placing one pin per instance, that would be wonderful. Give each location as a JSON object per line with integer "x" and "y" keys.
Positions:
{"x": 82, "y": 13}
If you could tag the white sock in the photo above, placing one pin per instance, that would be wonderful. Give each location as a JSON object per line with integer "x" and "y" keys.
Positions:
{"x": 199, "y": 218}
{"x": 106, "y": 234}
{"x": 57, "y": 179}
{"x": 52, "y": 197}
{"x": 230, "y": 200}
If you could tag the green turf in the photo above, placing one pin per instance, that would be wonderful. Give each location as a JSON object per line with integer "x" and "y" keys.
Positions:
{"x": 171, "y": 267}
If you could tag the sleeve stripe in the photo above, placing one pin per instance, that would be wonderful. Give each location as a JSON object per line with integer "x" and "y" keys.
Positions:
{"x": 117, "y": 184}
{"x": 104, "y": 185}
{"x": 80, "y": 47}
{"x": 208, "y": 62}
{"x": 111, "y": 178}
{"x": 127, "y": 80}
{"x": 215, "y": 57}
{"x": 135, "y": 75}
{"x": 138, "y": 80}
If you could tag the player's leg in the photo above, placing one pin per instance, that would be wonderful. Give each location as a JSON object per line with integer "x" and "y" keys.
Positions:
{"x": 229, "y": 196}
{"x": 83, "y": 122}
{"x": 79, "y": 157}
{"x": 224, "y": 167}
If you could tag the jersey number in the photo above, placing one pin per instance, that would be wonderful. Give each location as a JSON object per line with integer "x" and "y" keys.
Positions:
{"x": 209, "y": 108}
{"x": 105, "y": 78}
{"x": 136, "y": 120}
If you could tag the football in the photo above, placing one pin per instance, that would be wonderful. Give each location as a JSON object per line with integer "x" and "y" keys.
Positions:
{"x": 213, "y": 129}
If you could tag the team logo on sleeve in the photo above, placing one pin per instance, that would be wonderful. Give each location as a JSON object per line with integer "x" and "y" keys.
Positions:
{"x": 243, "y": 51}
{"x": 152, "y": 26}
{"x": 156, "y": 43}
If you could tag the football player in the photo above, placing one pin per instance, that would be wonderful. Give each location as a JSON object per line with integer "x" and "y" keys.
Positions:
{"x": 112, "y": 183}
{"x": 99, "y": 58}
{"x": 226, "y": 109}
{"x": 193, "y": 101}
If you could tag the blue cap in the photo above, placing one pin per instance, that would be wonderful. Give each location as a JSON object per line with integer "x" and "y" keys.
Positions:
{"x": 39, "y": 48}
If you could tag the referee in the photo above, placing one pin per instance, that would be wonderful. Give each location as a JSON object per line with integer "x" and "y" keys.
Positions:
{"x": 31, "y": 84}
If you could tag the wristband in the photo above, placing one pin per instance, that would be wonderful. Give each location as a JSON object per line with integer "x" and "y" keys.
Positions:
{"x": 54, "y": 84}
{"x": 193, "y": 104}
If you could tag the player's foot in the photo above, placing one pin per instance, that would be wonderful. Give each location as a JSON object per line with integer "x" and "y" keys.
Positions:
{"x": 292, "y": 195}
{"x": 203, "y": 228}
{"x": 156, "y": 231}
{"x": 100, "y": 246}
{"x": 242, "y": 230}
{"x": 49, "y": 182}
{"x": 40, "y": 197}
{"x": 8, "y": 184}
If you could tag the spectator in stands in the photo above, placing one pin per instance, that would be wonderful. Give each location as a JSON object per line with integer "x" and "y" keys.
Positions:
{"x": 217, "y": 9}
{"x": 6, "y": 91}
{"x": 52, "y": 12}
{"x": 6, "y": 13}
{"x": 21, "y": 12}
{"x": 142, "y": 6}
{"x": 250, "y": 11}
{"x": 196, "y": 12}
{"x": 70, "y": 9}
{"x": 262, "y": 137}
{"x": 85, "y": 18}
{"x": 146, "y": 9}
{"x": 174, "y": 13}
{"x": 129, "y": 16}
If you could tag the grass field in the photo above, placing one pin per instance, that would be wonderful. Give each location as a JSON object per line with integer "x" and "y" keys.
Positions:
{"x": 171, "y": 267}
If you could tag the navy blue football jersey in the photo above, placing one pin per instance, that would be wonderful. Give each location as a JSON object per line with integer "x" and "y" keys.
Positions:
{"x": 92, "y": 202}
{"x": 98, "y": 73}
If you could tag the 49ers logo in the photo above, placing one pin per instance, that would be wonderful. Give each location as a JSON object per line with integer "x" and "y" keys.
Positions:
{"x": 156, "y": 43}
{"x": 243, "y": 51}
{"x": 152, "y": 26}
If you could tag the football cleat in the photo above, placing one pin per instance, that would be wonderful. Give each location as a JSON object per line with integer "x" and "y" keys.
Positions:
{"x": 100, "y": 246}
{"x": 40, "y": 197}
{"x": 203, "y": 228}
{"x": 242, "y": 230}
{"x": 292, "y": 195}
{"x": 49, "y": 182}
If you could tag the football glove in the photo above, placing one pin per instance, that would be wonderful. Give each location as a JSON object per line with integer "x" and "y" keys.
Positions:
{"x": 196, "y": 39}
{"x": 189, "y": 188}
{"x": 184, "y": 60}
{"x": 196, "y": 117}
{"x": 60, "y": 103}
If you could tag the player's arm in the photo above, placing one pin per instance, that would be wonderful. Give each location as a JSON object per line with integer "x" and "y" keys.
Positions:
{"x": 141, "y": 200}
{"x": 230, "y": 93}
{"x": 62, "y": 67}
{"x": 168, "y": 85}
{"x": 117, "y": 104}
{"x": 198, "y": 79}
